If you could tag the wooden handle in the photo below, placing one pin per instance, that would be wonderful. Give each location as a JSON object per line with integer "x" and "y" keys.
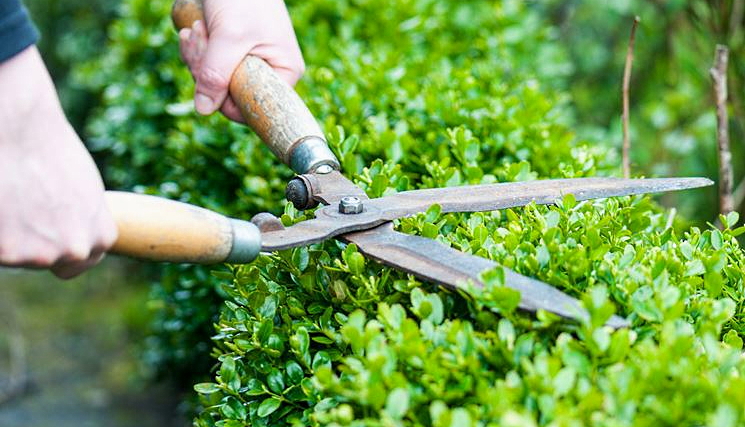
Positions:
{"x": 270, "y": 106}
{"x": 159, "y": 229}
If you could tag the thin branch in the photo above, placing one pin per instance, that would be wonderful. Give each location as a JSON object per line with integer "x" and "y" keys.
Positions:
{"x": 625, "y": 94}
{"x": 718, "y": 73}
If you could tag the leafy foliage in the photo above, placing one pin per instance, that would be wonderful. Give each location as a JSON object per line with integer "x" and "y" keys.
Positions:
{"x": 415, "y": 95}
{"x": 672, "y": 117}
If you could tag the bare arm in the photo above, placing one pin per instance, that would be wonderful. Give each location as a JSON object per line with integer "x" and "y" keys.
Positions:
{"x": 52, "y": 210}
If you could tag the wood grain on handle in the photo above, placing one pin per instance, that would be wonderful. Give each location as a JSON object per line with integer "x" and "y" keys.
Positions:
{"x": 267, "y": 103}
{"x": 159, "y": 229}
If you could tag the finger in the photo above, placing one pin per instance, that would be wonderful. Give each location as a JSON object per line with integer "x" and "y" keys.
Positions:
{"x": 231, "y": 111}
{"x": 68, "y": 270}
{"x": 221, "y": 58}
{"x": 199, "y": 38}
{"x": 183, "y": 43}
{"x": 192, "y": 44}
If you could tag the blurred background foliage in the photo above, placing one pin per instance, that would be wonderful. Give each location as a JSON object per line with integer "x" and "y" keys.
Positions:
{"x": 673, "y": 124}
{"x": 116, "y": 66}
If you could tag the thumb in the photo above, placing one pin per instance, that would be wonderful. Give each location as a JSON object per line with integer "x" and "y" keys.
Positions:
{"x": 221, "y": 58}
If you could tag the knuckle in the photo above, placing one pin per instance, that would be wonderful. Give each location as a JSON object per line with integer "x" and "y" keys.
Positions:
{"x": 43, "y": 258}
{"x": 76, "y": 252}
{"x": 210, "y": 78}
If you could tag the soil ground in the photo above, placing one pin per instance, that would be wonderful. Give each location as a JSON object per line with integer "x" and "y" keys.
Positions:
{"x": 69, "y": 351}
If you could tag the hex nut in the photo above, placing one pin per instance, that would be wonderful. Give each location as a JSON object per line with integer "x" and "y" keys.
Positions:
{"x": 350, "y": 205}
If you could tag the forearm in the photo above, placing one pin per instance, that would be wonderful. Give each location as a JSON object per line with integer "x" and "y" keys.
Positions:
{"x": 27, "y": 91}
{"x": 52, "y": 210}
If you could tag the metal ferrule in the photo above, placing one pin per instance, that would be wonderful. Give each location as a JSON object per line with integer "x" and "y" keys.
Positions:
{"x": 246, "y": 242}
{"x": 310, "y": 154}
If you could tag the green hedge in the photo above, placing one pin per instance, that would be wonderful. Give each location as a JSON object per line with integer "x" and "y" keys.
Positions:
{"x": 414, "y": 95}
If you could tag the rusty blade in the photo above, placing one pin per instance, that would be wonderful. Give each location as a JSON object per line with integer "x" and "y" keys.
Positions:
{"x": 489, "y": 197}
{"x": 435, "y": 262}
{"x": 329, "y": 222}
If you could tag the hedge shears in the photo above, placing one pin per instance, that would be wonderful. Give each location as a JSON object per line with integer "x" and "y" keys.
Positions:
{"x": 158, "y": 229}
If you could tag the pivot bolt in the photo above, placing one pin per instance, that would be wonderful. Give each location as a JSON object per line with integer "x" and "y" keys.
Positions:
{"x": 350, "y": 205}
{"x": 297, "y": 192}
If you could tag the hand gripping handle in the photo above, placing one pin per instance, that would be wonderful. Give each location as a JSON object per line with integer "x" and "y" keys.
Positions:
{"x": 159, "y": 229}
{"x": 270, "y": 106}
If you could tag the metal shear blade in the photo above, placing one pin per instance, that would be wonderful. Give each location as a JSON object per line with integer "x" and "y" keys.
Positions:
{"x": 329, "y": 222}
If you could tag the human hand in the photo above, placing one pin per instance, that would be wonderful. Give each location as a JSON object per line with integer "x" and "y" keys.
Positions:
{"x": 233, "y": 29}
{"x": 52, "y": 210}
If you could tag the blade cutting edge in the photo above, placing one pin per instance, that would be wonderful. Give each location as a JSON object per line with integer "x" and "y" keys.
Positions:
{"x": 474, "y": 198}
{"x": 435, "y": 262}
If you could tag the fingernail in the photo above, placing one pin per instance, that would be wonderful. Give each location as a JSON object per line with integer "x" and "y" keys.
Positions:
{"x": 203, "y": 103}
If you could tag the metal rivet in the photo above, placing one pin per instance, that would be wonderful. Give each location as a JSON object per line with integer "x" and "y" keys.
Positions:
{"x": 324, "y": 169}
{"x": 350, "y": 205}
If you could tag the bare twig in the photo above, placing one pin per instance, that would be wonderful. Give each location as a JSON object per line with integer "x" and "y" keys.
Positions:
{"x": 718, "y": 73}
{"x": 625, "y": 94}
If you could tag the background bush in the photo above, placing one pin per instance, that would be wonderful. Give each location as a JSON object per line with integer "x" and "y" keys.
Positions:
{"x": 673, "y": 123}
{"x": 413, "y": 95}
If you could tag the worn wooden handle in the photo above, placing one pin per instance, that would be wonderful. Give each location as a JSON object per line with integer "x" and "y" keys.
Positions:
{"x": 270, "y": 106}
{"x": 159, "y": 229}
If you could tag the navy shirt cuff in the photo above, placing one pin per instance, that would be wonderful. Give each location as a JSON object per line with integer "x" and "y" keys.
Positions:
{"x": 16, "y": 30}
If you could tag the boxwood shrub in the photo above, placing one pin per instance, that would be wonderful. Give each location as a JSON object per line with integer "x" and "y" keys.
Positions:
{"x": 414, "y": 95}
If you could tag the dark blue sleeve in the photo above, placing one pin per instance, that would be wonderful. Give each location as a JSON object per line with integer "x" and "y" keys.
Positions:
{"x": 16, "y": 30}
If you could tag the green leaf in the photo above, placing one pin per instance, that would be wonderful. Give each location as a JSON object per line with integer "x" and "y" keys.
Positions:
{"x": 726, "y": 415}
{"x": 731, "y": 219}
{"x": 275, "y": 381}
{"x": 433, "y": 213}
{"x": 294, "y": 372}
{"x": 733, "y": 339}
{"x": 397, "y": 403}
{"x": 714, "y": 284}
{"x": 300, "y": 258}
{"x": 269, "y": 307}
{"x": 233, "y": 408}
{"x": 268, "y": 406}
{"x": 686, "y": 249}
{"x": 321, "y": 359}
{"x": 302, "y": 340}
{"x": 716, "y": 239}
{"x": 265, "y": 329}
{"x": 459, "y": 417}
{"x": 643, "y": 304}
{"x": 628, "y": 255}
{"x": 206, "y": 388}
{"x": 543, "y": 256}
{"x": 564, "y": 381}
{"x": 228, "y": 374}
{"x": 552, "y": 218}
{"x": 223, "y": 275}
{"x": 506, "y": 332}
{"x": 356, "y": 263}
{"x": 694, "y": 268}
